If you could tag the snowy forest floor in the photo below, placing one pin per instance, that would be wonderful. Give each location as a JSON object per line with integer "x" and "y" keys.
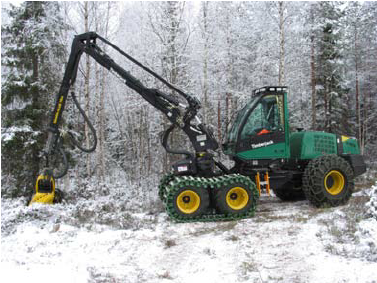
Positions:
{"x": 104, "y": 239}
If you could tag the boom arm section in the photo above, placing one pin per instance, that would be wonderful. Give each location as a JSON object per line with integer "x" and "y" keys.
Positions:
{"x": 182, "y": 116}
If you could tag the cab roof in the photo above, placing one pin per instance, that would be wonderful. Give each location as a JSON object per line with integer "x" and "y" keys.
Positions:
{"x": 266, "y": 89}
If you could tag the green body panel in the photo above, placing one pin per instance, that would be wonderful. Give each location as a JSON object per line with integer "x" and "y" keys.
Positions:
{"x": 350, "y": 145}
{"x": 273, "y": 151}
{"x": 309, "y": 145}
{"x": 296, "y": 144}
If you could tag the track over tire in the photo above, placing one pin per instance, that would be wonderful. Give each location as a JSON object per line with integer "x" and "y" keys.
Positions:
{"x": 328, "y": 181}
{"x": 190, "y": 201}
{"x": 235, "y": 198}
{"x": 165, "y": 180}
{"x": 288, "y": 193}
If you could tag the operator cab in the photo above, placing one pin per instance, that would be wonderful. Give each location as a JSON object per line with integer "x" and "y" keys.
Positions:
{"x": 260, "y": 129}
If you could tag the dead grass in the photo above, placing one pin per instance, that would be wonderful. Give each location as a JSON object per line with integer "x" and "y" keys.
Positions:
{"x": 245, "y": 269}
{"x": 170, "y": 243}
{"x": 343, "y": 227}
{"x": 233, "y": 238}
{"x": 220, "y": 228}
{"x": 265, "y": 217}
{"x": 165, "y": 275}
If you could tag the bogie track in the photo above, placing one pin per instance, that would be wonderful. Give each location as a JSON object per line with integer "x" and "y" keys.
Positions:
{"x": 171, "y": 188}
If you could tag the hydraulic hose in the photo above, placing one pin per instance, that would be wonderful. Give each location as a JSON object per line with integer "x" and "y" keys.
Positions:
{"x": 86, "y": 119}
{"x": 65, "y": 162}
{"x": 59, "y": 146}
{"x": 164, "y": 142}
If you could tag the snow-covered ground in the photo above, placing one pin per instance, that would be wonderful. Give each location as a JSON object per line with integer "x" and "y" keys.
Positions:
{"x": 102, "y": 241}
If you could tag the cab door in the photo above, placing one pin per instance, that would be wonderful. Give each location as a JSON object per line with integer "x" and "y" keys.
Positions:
{"x": 263, "y": 132}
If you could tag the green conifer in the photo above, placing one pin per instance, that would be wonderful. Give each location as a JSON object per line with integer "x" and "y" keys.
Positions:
{"x": 31, "y": 68}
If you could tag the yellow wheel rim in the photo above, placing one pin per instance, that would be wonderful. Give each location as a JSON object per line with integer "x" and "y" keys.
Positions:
{"x": 334, "y": 182}
{"x": 188, "y": 201}
{"x": 237, "y": 198}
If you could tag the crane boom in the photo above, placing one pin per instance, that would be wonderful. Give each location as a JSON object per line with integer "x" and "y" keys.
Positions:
{"x": 183, "y": 116}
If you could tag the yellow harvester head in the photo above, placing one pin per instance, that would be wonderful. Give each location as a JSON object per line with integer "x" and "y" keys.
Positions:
{"x": 44, "y": 189}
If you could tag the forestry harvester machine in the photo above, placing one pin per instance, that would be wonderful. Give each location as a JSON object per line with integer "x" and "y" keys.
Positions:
{"x": 318, "y": 166}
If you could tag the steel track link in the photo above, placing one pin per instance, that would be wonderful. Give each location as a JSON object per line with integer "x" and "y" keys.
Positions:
{"x": 170, "y": 184}
{"x": 165, "y": 180}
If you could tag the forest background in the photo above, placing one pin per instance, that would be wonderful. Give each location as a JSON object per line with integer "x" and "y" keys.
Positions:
{"x": 325, "y": 52}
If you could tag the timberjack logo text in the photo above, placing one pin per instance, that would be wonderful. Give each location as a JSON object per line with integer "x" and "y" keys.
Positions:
{"x": 58, "y": 110}
{"x": 261, "y": 144}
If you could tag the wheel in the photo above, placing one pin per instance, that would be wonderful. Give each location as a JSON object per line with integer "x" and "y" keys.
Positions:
{"x": 234, "y": 199}
{"x": 287, "y": 192}
{"x": 328, "y": 181}
{"x": 190, "y": 201}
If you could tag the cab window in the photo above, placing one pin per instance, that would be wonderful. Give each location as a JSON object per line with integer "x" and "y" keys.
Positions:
{"x": 266, "y": 117}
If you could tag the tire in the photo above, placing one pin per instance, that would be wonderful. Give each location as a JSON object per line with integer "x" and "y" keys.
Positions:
{"x": 189, "y": 202}
{"x": 235, "y": 198}
{"x": 287, "y": 192}
{"x": 328, "y": 181}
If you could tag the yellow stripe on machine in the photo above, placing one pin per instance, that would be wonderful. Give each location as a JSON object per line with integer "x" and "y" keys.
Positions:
{"x": 58, "y": 109}
{"x": 344, "y": 138}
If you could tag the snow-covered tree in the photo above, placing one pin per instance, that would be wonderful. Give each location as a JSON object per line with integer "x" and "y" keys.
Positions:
{"x": 369, "y": 80}
{"x": 31, "y": 63}
{"x": 360, "y": 39}
{"x": 332, "y": 93}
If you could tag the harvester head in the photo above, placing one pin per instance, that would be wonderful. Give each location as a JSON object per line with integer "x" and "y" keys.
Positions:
{"x": 44, "y": 188}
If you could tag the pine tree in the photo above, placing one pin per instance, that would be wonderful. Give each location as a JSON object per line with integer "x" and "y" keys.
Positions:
{"x": 30, "y": 63}
{"x": 361, "y": 30}
{"x": 368, "y": 87}
{"x": 331, "y": 90}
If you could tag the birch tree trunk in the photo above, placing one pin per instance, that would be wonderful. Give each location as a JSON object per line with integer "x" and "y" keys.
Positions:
{"x": 229, "y": 72}
{"x": 219, "y": 119}
{"x": 326, "y": 101}
{"x": 227, "y": 110}
{"x": 97, "y": 76}
{"x": 313, "y": 73}
{"x": 364, "y": 123}
{"x": 86, "y": 88}
{"x": 282, "y": 42}
{"x": 141, "y": 144}
{"x": 357, "y": 90}
{"x": 367, "y": 100}
{"x": 205, "y": 61}
{"x": 102, "y": 113}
